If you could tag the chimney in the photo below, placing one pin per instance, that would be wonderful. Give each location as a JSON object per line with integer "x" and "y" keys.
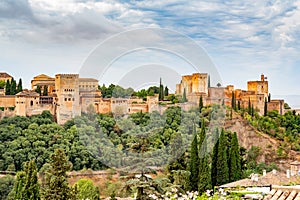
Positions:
{"x": 262, "y": 77}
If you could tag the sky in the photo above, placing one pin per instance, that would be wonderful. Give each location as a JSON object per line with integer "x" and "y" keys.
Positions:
{"x": 242, "y": 38}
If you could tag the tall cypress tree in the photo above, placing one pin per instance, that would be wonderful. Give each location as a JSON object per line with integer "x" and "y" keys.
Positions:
{"x": 13, "y": 87}
{"x": 20, "y": 86}
{"x": 233, "y": 105}
{"x": 7, "y": 88}
{"x": 38, "y": 90}
{"x": 269, "y": 97}
{"x": 215, "y": 160}
{"x": 235, "y": 169}
{"x": 200, "y": 104}
{"x": 194, "y": 162}
{"x": 204, "y": 182}
{"x": 161, "y": 91}
{"x": 166, "y": 93}
{"x": 266, "y": 107}
{"x": 239, "y": 105}
{"x": 26, "y": 185}
{"x": 222, "y": 163}
{"x": 252, "y": 110}
{"x": 208, "y": 81}
{"x": 249, "y": 107}
{"x": 45, "y": 90}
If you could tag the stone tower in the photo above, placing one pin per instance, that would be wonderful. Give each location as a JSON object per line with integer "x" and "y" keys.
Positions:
{"x": 67, "y": 91}
{"x": 259, "y": 87}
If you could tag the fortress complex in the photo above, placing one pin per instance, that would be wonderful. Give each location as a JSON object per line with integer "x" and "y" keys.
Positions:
{"x": 197, "y": 85}
{"x": 68, "y": 95}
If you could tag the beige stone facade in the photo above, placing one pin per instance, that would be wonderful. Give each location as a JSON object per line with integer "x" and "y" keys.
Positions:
{"x": 69, "y": 95}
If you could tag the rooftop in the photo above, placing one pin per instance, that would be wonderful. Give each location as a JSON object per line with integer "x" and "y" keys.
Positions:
{"x": 5, "y": 75}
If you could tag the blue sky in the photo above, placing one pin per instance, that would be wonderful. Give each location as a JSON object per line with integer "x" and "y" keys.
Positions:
{"x": 243, "y": 38}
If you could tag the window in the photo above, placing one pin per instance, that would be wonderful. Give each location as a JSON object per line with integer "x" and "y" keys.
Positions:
{"x": 69, "y": 99}
{"x": 31, "y": 103}
{"x": 65, "y": 99}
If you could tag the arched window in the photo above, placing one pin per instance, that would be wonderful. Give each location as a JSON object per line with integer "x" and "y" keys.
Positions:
{"x": 31, "y": 103}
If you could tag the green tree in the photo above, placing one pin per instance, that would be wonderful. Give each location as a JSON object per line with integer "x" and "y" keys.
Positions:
{"x": 249, "y": 107}
{"x": 26, "y": 185}
{"x": 200, "y": 104}
{"x": 20, "y": 86}
{"x": 194, "y": 162}
{"x": 214, "y": 169}
{"x": 233, "y": 104}
{"x": 38, "y": 90}
{"x": 56, "y": 184}
{"x": 13, "y": 87}
{"x": 87, "y": 190}
{"x": 222, "y": 163}
{"x": 204, "y": 182}
{"x": 2, "y": 84}
{"x": 7, "y": 88}
{"x": 266, "y": 107}
{"x": 161, "y": 91}
{"x": 166, "y": 92}
{"x": 235, "y": 170}
{"x": 269, "y": 97}
{"x": 208, "y": 81}
{"x": 6, "y": 186}
{"x": 45, "y": 90}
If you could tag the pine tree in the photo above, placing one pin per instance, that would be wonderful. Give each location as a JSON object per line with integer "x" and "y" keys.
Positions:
{"x": 204, "y": 182}
{"x": 194, "y": 162}
{"x": 266, "y": 107}
{"x": 7, "y": 88}
{"x": 166, "y": 93}
{"x": 235, "y": 170}
{"x": 38, "y": 90}
{"x": 20, "y": 86}
{"x": 222, "y": 163}
{"x": 56, "y": 183}
{"x": 214, "y": 160}
{"x": 200, "y": 104}
{"x": 184, "y": 99}
{"x": 45, "y": 90}
{"x": 13, "y": 87}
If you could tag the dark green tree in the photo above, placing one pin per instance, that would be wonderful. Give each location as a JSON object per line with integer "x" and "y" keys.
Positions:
{"x": 200, "y": 104}
{"x": 233, "y": 102}
{"x": 7, "y": 88}
{"x": 215, "y": 160}
{"x": 166, "y": 93}
{"x": 56, "y": 184}
{"x": 269, "y": 97}
{"x": 6, "y": 186}
{"x": 266, "y": 107}
{"x": 20, "y": 86}
{"x": 252, "y": 110}
{"x": 204, "y": 182}
{"x": 161, "y": 91}
{"x": 222, "y": 163}
{"x": 239, "y": 105}
{"x": 45, "y": 90}
{"x": 13, "y": 87}
{"x": 235, "y": 170}
{"x": 208, "y": 81}
{"x": 38, "y": 90}
{"x": 249, "y": 107}
{"x": 194, "y": 162}
{"x": 26, "y": 185}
